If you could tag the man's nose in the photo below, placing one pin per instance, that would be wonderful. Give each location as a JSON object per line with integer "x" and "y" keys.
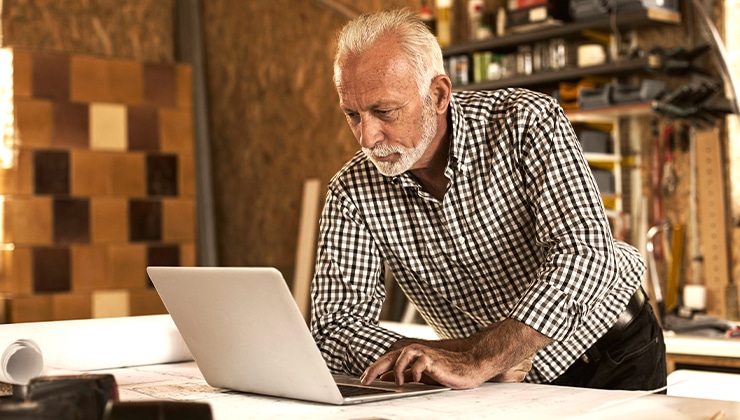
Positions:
{"x": 371, "y": 133}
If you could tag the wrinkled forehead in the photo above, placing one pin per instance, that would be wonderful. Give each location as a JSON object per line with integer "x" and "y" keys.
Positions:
{"x": 371, "y": 81}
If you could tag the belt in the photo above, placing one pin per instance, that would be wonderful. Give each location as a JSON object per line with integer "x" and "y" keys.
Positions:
{"x": 625, "y": 318}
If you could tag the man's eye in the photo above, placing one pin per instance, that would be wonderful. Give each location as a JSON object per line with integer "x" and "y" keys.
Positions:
{"x": 352, "y": 116}
{"x": 385, "y": 113}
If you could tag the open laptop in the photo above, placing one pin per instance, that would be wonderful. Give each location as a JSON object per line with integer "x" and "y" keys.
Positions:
{"x": 247, "y": 334}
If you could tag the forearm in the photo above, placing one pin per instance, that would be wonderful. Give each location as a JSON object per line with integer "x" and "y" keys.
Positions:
{"x": 505, "y": 344}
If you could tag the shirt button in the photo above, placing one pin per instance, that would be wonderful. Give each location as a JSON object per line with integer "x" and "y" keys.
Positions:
{"x": 481, "y": 280}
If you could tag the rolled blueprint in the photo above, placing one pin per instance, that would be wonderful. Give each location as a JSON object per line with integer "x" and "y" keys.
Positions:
{"x": 21, "y": 361}
{"x": 88, "y": 344}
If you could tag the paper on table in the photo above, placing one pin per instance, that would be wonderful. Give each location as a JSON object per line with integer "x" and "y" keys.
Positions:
{"x": 21, "y": 361}
{"x": 88, "y": 344}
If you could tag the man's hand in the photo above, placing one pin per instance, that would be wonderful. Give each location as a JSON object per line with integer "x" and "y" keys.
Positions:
{"x": 448, "y": 368}
{"x": 502, "y": 352}
{"x": 419, "y": 363}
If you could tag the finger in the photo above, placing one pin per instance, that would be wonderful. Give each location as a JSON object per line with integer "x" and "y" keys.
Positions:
{"x": 517, "y": 373}
{"x": 381, "y": 366}
{"x": 404, "y": 362}
{"x": 511, "y": 376}
{"x": 524, "y": 366}
{"x": 422, "y": 364}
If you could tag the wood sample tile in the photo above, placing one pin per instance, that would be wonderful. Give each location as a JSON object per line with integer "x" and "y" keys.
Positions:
{"x": 16, "y": 271}
{"x": 37, "y": 308}
{"x": 145, "y": 302}
{"x": 161, "y": 175}
{"x": 8, "y": 180}
{"x": 143, "y": 128}
{"x": 127, "y": 266}
{"x": 34, "y": 122}
{"x": 90, "y": 268}
{"x": 176, "y": 130}
{"x": 163, "y": 255}
{"x": 89, "y": 79}
{"x": 70, "y": 125}
{"x": 110, "y": 303}
{"x": 108, "y": 127}
{"x": 126, "y": 82}
{"x": 18, "y": 179}
{"x": 22, "y": 74}
{"x": 159, "y": 84}
{"x": 51, "y": 172}
{"x": 184, "y": 86}
{"x": 187, "y": 185}
{"x": 71, "y": 220}
{"x": 178, "y": 217}
{"x": 28, "y": 220}
{"x": 51, "y": 269}
{"x": 188, "y": 254}
{"x": 91, "y": 173}
{"x": 67, "y": 306}
{"x": 109, "y": 219}
{"x": 145, "y": 220}
{"x": 24, "y": 172}
{"x": 50, "y": 76}
{"x": 129, "y": 174}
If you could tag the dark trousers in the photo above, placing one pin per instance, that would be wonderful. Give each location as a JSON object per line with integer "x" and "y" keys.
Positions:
{"x": 634, "y": 360}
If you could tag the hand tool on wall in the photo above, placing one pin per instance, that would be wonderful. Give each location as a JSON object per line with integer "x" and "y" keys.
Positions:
{"x": 672, "y": 298}
{"x": 677, "y": 61}
{"x": 653, "y": 267}
{"x": 669, "y": 180}
{"x": 656, "y": 213}
{"x": 700, "y": 103}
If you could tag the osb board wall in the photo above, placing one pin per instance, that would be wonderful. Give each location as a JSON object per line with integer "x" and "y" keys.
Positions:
{"x": 275, "y": 118}
{"x": 130, "y": 29}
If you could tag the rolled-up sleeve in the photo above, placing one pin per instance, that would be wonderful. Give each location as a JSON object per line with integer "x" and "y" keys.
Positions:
{"x": 580, "y": 265}
{"x": 347, "y": 291}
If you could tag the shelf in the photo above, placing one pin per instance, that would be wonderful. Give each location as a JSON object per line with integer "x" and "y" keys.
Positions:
{"x": 642, "y": 109}
{"x": 556, "y": 76}
{"x": 602, "y": 157}
{"x": 624, "y": 21}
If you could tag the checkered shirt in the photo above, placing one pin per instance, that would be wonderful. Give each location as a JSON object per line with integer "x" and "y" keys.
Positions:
{"x": 521, "y": 234}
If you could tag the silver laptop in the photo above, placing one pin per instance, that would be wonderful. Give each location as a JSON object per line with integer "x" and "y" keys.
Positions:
{"x": 247, "y": 334}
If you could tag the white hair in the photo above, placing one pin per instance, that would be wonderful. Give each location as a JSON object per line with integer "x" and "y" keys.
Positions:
{"x": 417, "y": 43}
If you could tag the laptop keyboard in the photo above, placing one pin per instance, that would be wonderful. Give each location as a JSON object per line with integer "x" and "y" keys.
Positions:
{"x": 356, "y": 391}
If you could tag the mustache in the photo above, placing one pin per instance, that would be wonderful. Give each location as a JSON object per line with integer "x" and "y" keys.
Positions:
{"x": 382, "y": 150}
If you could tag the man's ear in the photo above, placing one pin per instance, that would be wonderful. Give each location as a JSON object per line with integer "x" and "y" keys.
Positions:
{"x": 441, "y": 90}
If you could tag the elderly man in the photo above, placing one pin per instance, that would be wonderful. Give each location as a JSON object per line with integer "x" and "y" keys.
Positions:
{"x": 487, "y": 214}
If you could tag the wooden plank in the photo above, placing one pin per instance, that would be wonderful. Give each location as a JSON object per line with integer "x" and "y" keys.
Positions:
{"x": 711, "y": 204}
{"x": 306, "y": 249}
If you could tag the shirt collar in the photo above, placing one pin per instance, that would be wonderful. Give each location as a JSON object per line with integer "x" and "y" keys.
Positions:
{"x": 459, "y": 159}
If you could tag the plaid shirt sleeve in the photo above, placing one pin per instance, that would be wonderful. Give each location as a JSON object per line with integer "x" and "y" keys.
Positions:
{"x": 580, "y": 266}
{"x": 347, "y": 291}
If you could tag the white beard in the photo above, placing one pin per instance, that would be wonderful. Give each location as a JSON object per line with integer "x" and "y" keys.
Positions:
{"x": 407, "y": 156}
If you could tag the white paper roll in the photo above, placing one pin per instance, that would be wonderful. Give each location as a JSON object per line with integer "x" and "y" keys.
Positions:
{"x": 89, "y": 344}
{"x": 21, "y": 361}
{"x": 695, "y": 297}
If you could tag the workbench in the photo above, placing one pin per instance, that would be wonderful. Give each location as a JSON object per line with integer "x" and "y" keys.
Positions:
{"x": 183, "y": 381}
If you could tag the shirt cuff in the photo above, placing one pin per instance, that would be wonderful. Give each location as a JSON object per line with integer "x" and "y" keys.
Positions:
{"x": 550, "y": 311}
